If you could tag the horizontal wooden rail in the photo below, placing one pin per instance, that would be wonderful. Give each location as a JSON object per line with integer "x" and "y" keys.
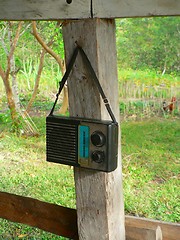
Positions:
{"x": 79, "y": 9}
{"x": 44, "y": 9}
{"x": 46, "y": 216}
{"x": 135, "y": 8}
{"x": 63, "y": 221}
{"x": 170, "y": 231}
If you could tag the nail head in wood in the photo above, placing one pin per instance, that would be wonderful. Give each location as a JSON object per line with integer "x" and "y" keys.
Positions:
{"x": 69, "y": 1}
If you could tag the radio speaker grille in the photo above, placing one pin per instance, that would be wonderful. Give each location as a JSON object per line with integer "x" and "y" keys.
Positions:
{"x": 62, "y": 142}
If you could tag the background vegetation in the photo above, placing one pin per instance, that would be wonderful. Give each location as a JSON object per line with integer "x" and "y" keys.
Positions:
{"x": 148, "y": 70}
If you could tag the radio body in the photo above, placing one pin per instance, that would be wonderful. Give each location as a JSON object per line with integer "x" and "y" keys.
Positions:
{"x": 80, "y": 142}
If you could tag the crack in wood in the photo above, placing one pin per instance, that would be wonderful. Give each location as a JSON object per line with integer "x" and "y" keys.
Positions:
{"x": 91, "y": 10}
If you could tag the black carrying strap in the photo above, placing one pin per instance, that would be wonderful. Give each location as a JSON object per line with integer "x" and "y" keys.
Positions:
{"x": 65, "y": 77}
{"x": 92, "y": 74}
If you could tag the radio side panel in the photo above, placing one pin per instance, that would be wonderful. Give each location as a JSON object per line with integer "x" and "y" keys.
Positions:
{"x": 112, "y": 147}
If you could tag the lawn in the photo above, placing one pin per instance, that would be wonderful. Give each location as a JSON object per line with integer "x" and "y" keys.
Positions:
{"x": 150, "y": 173}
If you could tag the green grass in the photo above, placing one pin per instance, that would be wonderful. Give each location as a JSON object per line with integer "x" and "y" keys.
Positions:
{"x": 147, "y": 87}
{"x": 148, "y": 77}
{"x": 150, "y": 153}
{"x": 151, "y": 164}
{"x": 25, "y": 172}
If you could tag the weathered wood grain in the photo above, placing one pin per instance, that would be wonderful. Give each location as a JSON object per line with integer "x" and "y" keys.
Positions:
{"x": 99, "y": 195}
{"x": 80, "y": 9}
{"x": 44, "y": 9}
{"x": 170, "y": 231}
{"x": 135, "y": 233}
{"x": 46, "y": 216}
{"x": 135, "y": 8}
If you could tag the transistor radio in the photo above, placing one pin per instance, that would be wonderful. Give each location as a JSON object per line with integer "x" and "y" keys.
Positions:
{"x": 82, "y": 142}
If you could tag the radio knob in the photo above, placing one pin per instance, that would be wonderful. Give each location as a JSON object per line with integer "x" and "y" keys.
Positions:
{"x": 98, "y": 156}
{"x": 98, "y": 139}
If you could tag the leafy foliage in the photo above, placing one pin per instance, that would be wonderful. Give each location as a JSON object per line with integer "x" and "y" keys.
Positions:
{"x": 149, "y": 43}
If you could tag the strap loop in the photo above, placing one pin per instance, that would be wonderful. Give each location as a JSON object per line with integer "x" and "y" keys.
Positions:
{"x": 93, "y": 75}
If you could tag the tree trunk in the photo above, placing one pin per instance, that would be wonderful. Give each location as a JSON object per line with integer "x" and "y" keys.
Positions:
{"x": 27, "y": 126}
{"x": 11, "y": 68}
{"x": 9, "y": 95}
{"x": 38, "y": 77}
{"x": 60, "y": 62}
{"x": 15, "y": 90}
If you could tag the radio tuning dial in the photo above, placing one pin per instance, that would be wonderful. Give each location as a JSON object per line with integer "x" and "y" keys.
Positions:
{"x": 98, "y": 156}
{"x": 98, "y": 139}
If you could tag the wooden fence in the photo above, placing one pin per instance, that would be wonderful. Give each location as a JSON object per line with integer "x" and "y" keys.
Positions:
{"x": 63, "y": 221}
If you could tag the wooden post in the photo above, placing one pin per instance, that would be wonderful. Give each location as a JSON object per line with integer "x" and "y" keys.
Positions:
{"x": 99, "y": 195}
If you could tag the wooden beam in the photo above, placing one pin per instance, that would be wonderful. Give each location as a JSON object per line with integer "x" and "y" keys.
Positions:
{"x": 80, "y": 9}
{"x": 100, "y": 206}
{"x": 44, "y": 9}
{"x": 135, "y": 8}
{"x": 46, "y": 216}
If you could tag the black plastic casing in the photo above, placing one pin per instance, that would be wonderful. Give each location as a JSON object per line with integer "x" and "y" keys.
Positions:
{"x": 63, "y": 144}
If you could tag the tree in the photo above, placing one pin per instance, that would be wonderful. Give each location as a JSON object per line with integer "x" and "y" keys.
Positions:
{"x": 10, "y": 32}
{"x": 19, "y": 45}
{"x": 12, "y": 96}
{"x": 149, "y": 43}
{"x": 56, "y": 56}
